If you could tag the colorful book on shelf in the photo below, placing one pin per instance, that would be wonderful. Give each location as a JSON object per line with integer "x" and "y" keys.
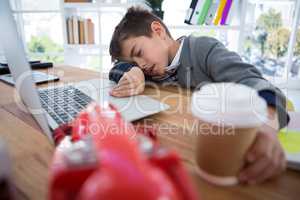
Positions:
{"x": 78, "y": 1}
{"x": 219, "y": 12}
{"x": 226, "y": 12}
{"x": 232, "y": 12}
{"x": 212, "y": 12}
{"x": 197, "y": 12}
{"x": 190, "y": 12}
{"x": 203, "y": 11}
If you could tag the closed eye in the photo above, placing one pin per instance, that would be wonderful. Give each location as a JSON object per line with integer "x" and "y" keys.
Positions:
{"x": 139, "y": 53}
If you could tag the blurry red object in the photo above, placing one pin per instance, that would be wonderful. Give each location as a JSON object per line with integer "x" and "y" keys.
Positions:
{"x": 100, "y": 156}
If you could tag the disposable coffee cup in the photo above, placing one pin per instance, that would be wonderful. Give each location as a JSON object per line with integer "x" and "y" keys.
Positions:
{"x": 228, "y": 117}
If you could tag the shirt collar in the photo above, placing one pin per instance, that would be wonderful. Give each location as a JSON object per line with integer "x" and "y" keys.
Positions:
{"x": 175, "y": 62}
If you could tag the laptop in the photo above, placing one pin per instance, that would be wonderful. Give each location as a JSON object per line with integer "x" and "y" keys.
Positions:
{"x": 289, "y": 138}
{"x": 56, "y": 105}
{"x": 38, "y": 77}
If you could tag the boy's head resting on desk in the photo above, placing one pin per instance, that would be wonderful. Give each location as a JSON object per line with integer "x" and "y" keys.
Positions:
{"x": 142, "y": 38}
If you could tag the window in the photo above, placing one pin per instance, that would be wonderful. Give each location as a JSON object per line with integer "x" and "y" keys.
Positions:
{"x": 36, "y": 5}
{"x": 43, "y": 36}
{"x": 1, "y": 55}
{"x": 40, "y": 25}
{"x": 295, "y": 65}
{"x": 109, "y": 20}
{"x": 269, "y": 27}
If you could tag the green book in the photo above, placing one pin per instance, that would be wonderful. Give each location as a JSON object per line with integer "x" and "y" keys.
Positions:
{"x": 204, "y": 11}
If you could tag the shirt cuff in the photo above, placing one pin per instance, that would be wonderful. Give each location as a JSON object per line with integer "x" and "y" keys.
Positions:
{"x": 118, "y": 70}
{"x": 270, "y": 98}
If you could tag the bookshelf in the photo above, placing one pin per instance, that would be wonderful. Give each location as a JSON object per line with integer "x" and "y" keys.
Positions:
{"x": 74, "y": 53}
{"x": 99, "y": 7}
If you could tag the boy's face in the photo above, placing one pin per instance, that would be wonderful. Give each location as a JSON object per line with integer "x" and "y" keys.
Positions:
{"x": 150, "y": 53}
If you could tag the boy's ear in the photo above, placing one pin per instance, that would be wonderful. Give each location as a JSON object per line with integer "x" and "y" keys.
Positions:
{"x": 158, "y": 29}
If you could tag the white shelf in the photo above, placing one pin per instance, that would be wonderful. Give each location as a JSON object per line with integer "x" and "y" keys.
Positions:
{"x": 97, "y": 6}
{"x": 90, "y": 6}
{"x": 201, "y": 27}
{"x": 272, "y": 1}
{"x": 35, "y": 11}
{"x": 90, "y": 46}
{"x": 124, "y": 5}
{"x": 87, "y": 46}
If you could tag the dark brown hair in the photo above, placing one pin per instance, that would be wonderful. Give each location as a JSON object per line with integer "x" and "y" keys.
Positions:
{"x": 136, "y": 22}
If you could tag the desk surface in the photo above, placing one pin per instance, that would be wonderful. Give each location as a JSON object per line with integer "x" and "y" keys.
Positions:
{"x": 31, "y": 152}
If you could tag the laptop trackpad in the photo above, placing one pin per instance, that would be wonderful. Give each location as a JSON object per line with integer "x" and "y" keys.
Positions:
{"x": 131, "y": 108}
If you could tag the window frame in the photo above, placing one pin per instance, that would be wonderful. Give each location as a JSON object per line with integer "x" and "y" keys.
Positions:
{"x": 18, "y": 12}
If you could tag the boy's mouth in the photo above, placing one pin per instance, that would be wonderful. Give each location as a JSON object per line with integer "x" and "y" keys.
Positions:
{"x": 150, "y": 70}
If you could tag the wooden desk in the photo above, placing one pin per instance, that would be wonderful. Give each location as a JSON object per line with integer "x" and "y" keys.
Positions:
{"x": 31, "y": 152}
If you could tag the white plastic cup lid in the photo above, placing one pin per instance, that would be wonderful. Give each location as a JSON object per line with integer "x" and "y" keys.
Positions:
{"x": 230, "y": 104}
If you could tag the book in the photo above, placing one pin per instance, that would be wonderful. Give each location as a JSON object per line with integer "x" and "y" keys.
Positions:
{"x": 212, "y": 12}
{"x": 86, "y": 34}
{"x": 75, "y": 30}
{"x": 81, "y": 31}
{"x": 197, "y": 12}
{"x": 91, "y": 29}
{"x": 190, "y": 12}
{"x": 219, "y": 12}
{"x": 232, "y": 12}
{"x": 70, "y": 31}
{"x": 67, "y": 31}
{"x": 226, "y": 12}
{"x": 204, "y": 10}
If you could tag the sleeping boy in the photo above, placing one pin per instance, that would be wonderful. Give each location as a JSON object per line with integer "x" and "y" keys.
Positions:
{"x": 144, "y": 49}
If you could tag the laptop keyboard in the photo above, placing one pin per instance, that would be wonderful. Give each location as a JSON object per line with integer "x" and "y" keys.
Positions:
{"x": 63, "y": 103}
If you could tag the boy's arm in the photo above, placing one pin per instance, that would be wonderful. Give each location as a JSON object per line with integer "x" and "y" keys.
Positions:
{"x": 130, "y": 80}
{"x": 226, "y": 66}
{"x": 118, "y": 70}
{"x": 131, "y": 83}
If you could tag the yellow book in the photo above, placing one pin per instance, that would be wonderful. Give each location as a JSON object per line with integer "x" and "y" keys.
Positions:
{"x": 219, "y": 12}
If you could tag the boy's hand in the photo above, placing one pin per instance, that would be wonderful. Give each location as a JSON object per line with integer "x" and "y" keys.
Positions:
{"x": 131, "y": 83}
{"x": 265, "y": 158}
